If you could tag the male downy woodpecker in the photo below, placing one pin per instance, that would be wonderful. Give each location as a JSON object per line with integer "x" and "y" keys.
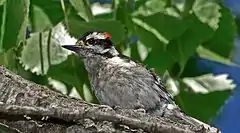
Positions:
{"x": 119, "y": 81}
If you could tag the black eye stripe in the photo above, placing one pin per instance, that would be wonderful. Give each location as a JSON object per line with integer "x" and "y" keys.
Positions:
{"x": 91, "y": 41}
{"x": 107, "y": 42}
{"x": 101, "y": 42}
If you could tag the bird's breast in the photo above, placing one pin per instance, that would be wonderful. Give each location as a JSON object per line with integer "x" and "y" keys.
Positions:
{"x": 119, "y": 62}
{"x": 104, "y": 70}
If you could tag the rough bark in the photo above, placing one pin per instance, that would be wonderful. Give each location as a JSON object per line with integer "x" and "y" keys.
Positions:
{"x": 28, "y": 107}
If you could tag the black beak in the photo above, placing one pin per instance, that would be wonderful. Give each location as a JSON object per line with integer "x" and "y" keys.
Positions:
{"x": 73, "y": 48}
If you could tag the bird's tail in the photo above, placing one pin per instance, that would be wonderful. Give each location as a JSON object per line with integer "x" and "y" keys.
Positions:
{"x": 173, "y": 112}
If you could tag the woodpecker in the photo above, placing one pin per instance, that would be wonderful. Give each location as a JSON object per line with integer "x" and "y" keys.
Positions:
{"x": 117, "y": 80}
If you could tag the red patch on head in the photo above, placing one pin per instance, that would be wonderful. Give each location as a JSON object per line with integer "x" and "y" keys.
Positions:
{"x": 107, "y": 35}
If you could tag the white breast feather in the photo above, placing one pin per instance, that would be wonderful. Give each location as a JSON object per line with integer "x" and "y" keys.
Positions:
{"x": 121, "y": 62}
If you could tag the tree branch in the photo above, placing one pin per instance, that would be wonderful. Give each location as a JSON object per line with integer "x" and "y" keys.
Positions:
{"x": 28, "y": 107}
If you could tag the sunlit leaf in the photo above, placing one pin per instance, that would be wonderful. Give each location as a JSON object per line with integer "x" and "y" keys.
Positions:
{"x": 208, "y": 54}
{"x": 208, "y": 12}
{"x": 209, "y": 83}
{"x": 59, "y": 86}
{"x": 104, "y": 16}
{"x": 149, "y": 7}
{"x": 185, "y": 46}
{"x": 2, "y": 2}
{"x": 31, "y": 53}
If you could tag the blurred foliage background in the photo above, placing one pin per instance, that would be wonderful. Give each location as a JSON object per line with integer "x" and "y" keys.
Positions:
{"x": 167, "y": 35}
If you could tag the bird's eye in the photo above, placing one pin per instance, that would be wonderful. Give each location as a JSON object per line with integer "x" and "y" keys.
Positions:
{"x": 91, "y": 41}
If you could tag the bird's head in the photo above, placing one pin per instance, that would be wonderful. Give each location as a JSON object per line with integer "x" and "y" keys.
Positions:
{"x": 93, "y": 44}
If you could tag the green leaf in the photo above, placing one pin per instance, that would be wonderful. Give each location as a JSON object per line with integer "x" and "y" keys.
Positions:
{"x": 154, "y": 31}
{"x": 161, "y": 61}
{"x": 39, "y": 19}
{"x": 185, "y": 46}
{"x": 148, "y": 38}
{"x": 1, "y": 31}
{"x": 14, "y": 23}
{"x": 123, "y": 14}
{"x": 188, "y": 4}
{"x": 115, "y": 28}
{"x": 71, "y": 71}
{"x": 38, "y": 57}
{"x": 207, "y": 104}
{"x": 46, "y": 14}
{"x": 135, "y": 53}
{"x": 83, "y": 8}
{"x": 52, "y": 8}
{"x": 222, "y": 41}
{"x": 167, "y": 26}
{"x": 139, "y": 4}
